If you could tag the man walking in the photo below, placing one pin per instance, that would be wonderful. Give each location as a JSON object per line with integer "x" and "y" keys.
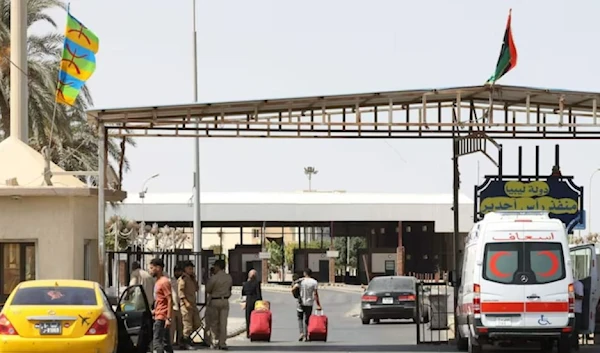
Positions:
{"x": 177, "y": 323}
{"x": 219, "y": 289}
{"x": 308, "y": 297}
{"x": 163, "y": 306}
{"x": 143, "y": 278}
{"x": 187, "y": 288}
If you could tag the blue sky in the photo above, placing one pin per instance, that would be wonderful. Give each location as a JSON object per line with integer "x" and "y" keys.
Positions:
{"x": 269, "y": 49}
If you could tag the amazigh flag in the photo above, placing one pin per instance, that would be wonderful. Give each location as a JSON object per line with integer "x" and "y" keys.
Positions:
{"x": 78, "y": 60}
{"x": 508, "y": 54}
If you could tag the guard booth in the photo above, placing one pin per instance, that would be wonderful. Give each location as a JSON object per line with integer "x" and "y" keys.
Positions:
{"x": 242, "y": 259}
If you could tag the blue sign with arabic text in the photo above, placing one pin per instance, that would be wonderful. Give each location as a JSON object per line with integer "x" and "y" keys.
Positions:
{"x": 559, "y": 196}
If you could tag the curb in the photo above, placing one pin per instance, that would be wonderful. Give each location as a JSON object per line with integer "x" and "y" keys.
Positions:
{"x": 236, "y": 332}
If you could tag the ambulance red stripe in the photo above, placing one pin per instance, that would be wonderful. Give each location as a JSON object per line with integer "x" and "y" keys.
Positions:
{"x": 519, "y": 307}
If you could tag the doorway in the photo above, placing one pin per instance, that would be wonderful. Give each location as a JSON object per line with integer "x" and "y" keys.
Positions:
{"x": 254, "y": 265}
{"x": 18, "y": 265}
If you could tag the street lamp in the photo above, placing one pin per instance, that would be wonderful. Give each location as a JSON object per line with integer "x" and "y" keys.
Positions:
{"x": 309, "y": 172}
{"x": 590, "y": 202}
{"x": 143, "y": 197}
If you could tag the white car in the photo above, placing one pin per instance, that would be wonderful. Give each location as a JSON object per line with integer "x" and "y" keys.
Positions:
{"x": 517, "y": 282}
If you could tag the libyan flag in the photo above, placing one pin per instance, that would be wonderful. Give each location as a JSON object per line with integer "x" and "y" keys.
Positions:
{"x": 508, "y": 54}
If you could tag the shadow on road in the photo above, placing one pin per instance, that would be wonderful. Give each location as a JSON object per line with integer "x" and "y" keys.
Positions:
{"x": 333, "y": 347}
{"x": 393, "y": 323}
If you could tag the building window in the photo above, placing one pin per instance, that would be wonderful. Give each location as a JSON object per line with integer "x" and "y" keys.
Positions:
{"x": 18, "y": 264}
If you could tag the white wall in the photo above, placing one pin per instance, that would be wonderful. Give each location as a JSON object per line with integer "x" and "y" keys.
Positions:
{"x": 313, "y": 261}
{"x": 378, "y": 261}
{"x": 440, "y": 213}
{"x": 248, "y": 257}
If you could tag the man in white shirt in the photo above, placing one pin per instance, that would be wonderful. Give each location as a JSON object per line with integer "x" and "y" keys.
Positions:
{"x": 177, "y": 323}
{"x": 578, "y": 288}
{"x": 143, "y": 278}
{"x": 308, "y": 297}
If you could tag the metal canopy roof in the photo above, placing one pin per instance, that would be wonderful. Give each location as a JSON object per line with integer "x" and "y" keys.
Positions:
{"x": 524, "y": 112}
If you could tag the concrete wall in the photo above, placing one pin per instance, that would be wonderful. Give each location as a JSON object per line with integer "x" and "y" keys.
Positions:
{"x": 378, "y": 260}
{"x": 313, "y": 260}
{"x": 59, "y": 227}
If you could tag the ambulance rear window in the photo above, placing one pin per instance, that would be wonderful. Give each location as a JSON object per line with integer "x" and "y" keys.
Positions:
{"x": 523, "y": 262}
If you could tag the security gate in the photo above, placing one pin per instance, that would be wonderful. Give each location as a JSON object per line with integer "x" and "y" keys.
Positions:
{"x": 435, "y": 314}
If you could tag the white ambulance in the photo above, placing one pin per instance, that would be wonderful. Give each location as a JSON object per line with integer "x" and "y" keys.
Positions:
{"x": 516, "y": 283}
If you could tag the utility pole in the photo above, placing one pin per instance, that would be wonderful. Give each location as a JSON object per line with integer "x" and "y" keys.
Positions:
{"x": 197, "y": 218}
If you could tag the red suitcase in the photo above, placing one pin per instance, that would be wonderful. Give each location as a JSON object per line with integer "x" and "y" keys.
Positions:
{"x": 260, "y": 325}
{"x": 317, "y": 327}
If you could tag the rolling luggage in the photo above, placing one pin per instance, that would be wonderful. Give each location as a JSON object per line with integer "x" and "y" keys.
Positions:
{"x": 262, "y": 305}
{"x": 260, "y": 325}
{"x": 317, "y": 327}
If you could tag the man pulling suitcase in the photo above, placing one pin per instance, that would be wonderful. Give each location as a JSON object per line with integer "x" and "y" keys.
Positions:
{"x": 309, "y": 296}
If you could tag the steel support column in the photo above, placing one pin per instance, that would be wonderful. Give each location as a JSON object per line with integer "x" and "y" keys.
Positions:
{"x": 331, "y": 259}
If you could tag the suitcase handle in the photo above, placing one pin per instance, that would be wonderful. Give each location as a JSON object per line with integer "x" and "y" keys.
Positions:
{"x": 319, "y": 312}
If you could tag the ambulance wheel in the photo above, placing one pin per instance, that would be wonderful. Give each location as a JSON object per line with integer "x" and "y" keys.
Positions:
{"x": 462, "y": 344}
{"x": 564, "y": 345}
{"x": 473, "y": 346}
{"x": 547, "y": 345}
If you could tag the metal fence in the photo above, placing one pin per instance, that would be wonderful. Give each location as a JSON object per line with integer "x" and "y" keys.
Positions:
{"x": 119, "y": 265}
{"x": 435, "y": 314}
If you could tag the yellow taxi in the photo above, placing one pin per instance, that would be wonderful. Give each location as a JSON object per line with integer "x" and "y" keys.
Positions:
{"x": 71, "y": 316}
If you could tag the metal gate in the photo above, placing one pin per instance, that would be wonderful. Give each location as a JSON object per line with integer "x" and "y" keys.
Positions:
{"x": 435, "y": 314}
{"x": 119, "y": 264}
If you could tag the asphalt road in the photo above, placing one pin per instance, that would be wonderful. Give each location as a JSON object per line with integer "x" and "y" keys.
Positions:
{"x": 346, "y": 332}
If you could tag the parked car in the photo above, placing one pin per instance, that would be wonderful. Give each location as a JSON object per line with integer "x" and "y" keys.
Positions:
{"x": 74, "y": 316}
{"x": 391, "y": 297}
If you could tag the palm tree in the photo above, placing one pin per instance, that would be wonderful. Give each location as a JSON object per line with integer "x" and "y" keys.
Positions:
{"x": 309, "y": 172}
{"x": 73, "y": 141}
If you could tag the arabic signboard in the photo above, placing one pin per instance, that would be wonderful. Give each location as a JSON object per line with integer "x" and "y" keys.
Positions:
{"x": 559, "y": 196}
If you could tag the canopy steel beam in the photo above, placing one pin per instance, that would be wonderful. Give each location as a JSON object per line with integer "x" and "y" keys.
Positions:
{"x": 504, "y": 112}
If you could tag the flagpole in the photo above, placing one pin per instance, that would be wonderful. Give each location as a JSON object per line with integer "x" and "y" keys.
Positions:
{"x": 197, "y": 217}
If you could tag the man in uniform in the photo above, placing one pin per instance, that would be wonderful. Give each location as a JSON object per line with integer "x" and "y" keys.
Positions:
{"x": 219, "y": 289}
{"x": 187, "y": 288}
{"x": 177, "y": 321}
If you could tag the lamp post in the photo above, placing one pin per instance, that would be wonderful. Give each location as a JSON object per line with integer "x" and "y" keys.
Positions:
{"x": 590, "y": 202}
{"x": 143, "y": 197}
{"x": 309, "y": 172}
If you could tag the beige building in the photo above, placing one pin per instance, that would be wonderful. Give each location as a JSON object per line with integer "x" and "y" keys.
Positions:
{"x": 46, "y": 232}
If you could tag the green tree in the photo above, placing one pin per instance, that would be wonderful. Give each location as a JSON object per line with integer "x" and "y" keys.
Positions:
{"x": 74, "y": 141}
{"x": 341, "y": 245}
{"x": 276, "y": 260}
{"x": 290, "y": 247}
